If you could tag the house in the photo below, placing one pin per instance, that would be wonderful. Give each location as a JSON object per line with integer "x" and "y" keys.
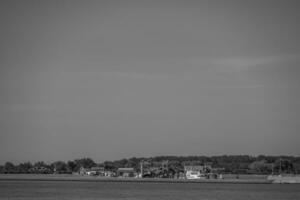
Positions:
{"x": 194, "y": 172}
{"x": 94, "y": 171}
{"x": 40, "y": 170}
{"x": 126, "y": 172}
{"x": 82, "y": 171}
{"x": 109, "y": 174}
{"x": 197, "y": 171}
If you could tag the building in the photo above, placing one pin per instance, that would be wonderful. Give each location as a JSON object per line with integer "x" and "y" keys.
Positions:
{"x": 94, "y": 171}
{"x": 109, "y": 174}
{"x": 197, "y": 171}
{"x": 126, "y": 172}
{"x": 194, "y": 172}
{"x": 82, "y": 171}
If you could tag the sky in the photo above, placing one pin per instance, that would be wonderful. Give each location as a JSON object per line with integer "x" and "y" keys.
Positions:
{"x": 119, "y": 79}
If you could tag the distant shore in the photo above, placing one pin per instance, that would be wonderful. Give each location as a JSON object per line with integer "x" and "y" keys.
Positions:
{"x": 65, "y": 177}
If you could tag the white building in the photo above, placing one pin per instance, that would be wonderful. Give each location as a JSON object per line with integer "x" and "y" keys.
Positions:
{"x": 194, "y": 172}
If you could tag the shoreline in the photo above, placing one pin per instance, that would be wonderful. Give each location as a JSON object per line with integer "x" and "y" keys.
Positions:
{"x": 54, "y": 177}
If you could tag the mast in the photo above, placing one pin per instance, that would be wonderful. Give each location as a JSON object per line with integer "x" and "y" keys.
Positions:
{"x": 141, "y": 163}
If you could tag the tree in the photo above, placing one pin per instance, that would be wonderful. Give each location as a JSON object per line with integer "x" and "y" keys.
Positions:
{"x": 261, "y": 167}
{"x": 71, "y": 165}
{"x": 59, "y": 167}
{"x": 9, "y": 168}
{"x": 2, "y": 169}
{"x": 283, "y": 166}
{"x": 40, "y": 164}
{"x": 24, "y": 167}
{"x": 84, "y": 162}
{"x": 108, "y": 165}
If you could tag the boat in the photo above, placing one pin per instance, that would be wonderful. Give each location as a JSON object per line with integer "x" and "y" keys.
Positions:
{"x": 284, "y": 178}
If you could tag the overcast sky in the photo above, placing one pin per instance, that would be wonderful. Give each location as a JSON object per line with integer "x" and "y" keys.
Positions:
{"x": 116, "y": 79}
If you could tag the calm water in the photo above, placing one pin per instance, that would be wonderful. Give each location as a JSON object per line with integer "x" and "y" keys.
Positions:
{"x": 163, "y": 191}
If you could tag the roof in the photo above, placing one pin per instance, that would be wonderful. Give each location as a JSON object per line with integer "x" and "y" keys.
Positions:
{"x": 97, "y": 168}
{"x": 127, "y": 169}
{"x": 194, "y": 168}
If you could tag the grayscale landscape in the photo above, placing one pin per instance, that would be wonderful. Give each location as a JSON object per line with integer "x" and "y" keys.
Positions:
{"x": 169, "y": 99}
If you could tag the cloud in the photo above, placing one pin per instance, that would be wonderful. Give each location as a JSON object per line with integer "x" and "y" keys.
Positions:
{"x": 134, "y": 75}
{"x": 243, "y": 62}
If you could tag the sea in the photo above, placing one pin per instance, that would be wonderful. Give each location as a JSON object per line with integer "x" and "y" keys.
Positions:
{"x": 88, "y": 190}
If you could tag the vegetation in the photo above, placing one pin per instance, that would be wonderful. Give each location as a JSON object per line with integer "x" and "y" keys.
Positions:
{"x": 238, "y": 164}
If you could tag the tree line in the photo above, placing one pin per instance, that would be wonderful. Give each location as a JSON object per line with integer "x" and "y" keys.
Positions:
{"x": 43, "y": 168}
{"x": 239, "y": 164}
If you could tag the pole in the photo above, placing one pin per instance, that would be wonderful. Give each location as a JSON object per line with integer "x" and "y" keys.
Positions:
{"x": 141, "y": 169}
{"x": 280, "y": 166}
